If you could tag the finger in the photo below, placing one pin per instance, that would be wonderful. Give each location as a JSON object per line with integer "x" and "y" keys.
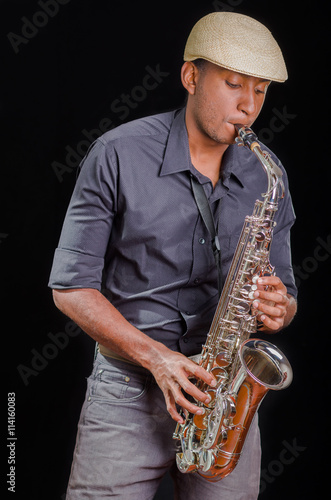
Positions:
{"x": 188, "y": 405}
{"x": 275, "y": 311}
{"x": 172, "y": 409}
{"x": 198, "y": 372}
{"x": 202, "y": 374}
{"x": 193, "y": 391}
{"x": 273, "y": 281}
{"x": 272, "y": 323}
{"x": 182, "y": 382}
{"x": 278, "y": 297}
{"x": 175, "y": 397}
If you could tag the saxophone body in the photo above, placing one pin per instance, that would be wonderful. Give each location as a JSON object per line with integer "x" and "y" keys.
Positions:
{"x": 245, "y": 368}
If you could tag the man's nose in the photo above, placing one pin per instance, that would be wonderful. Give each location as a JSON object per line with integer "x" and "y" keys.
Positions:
{"x": 248, "y": 103}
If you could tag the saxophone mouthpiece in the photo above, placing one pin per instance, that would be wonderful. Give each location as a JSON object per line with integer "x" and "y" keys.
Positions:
{"x": 246, "y": 136}
{"x": 239, "y": 127}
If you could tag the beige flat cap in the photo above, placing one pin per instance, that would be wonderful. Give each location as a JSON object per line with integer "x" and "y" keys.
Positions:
{"x": 236, "y": 42}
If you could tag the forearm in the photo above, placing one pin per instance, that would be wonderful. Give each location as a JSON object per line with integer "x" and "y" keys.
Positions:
{"x": 96, "y": 316}
{"x": 104, "y": 323}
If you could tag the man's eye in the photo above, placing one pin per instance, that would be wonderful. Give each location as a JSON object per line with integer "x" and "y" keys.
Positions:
{"x": 232, "y": 85}
{"x": 259, "y": 91}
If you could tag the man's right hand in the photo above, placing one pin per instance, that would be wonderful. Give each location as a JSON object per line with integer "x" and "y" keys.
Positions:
{"x": 172, "y": 371}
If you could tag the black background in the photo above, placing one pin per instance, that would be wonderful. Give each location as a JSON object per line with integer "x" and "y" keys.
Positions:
{"x": 65, "y": 79}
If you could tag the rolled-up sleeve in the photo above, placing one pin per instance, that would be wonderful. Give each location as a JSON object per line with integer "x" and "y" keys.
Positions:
{"x": 79, "y": 259}
{"x": 280, "y": 258}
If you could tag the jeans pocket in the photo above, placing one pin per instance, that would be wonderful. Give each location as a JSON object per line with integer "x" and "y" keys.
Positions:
{"x": 115, "y": 385}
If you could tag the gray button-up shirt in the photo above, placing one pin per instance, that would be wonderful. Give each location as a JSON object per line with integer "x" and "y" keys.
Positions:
{"x": 134, "y": 232}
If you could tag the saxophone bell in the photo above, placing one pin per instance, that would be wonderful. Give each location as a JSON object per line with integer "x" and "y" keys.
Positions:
{"x": 266, "y": 364}
{"x": 262, "y": 367}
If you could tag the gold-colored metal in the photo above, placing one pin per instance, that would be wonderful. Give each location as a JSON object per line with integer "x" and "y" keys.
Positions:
{"x": 245, "y": 368}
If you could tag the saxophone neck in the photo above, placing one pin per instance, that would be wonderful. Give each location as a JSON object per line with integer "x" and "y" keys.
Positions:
{"x": 246, "y": 137}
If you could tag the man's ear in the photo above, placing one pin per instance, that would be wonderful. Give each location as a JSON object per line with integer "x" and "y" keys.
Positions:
{"x": 189, "y": 73}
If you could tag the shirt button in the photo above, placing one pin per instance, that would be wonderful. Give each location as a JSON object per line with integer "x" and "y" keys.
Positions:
{"x": 127, "y": 379}
{"x": 197, "y": 281}
{"x": 202, "y": 241}
{"x": 185, "y": 340}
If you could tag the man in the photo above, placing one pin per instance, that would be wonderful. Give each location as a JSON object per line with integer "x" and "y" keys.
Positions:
{"x": 135, "y": 266}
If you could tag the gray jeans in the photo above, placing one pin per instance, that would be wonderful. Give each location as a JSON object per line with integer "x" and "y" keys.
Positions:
{"x": 124, "y": 444}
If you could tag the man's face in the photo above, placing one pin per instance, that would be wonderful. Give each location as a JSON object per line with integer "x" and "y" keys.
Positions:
{"x": 224, "y": 98}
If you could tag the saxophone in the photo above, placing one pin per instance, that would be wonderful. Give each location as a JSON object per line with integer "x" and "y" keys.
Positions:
{"x": 245, "y": 368}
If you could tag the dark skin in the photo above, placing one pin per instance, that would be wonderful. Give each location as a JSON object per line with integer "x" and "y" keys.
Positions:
{"x": 210, "y": 133}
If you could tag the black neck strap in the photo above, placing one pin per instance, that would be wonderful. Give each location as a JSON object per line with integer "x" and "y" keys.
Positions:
{"x": 208, "y": 219}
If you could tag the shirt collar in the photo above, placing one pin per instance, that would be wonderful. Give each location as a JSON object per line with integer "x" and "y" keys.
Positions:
{"x": 232, "y": 166}
{"x": 177, "y": 156}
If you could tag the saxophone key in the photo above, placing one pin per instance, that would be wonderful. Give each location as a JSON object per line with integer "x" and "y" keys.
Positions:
{"x": 218, "y": 372}
{"x": 223, "y": 359}
{"x": 222, "y": 439}
{"x": 212, "y": 394}
{"x": 245, "y": 290}
{"x": 200, "y": 422}
{"x": 260, "y": 236}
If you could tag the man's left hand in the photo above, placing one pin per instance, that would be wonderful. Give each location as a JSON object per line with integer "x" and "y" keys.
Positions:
{"x": 276, "y": 308}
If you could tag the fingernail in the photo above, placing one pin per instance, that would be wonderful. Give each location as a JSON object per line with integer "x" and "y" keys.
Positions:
{"x": 213, "y": 383}
{"x": 256, "y": 304}
{"x": 201, "y": 411}
{"x": 262, "y": 317}
{"x": 208, "y": 399}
